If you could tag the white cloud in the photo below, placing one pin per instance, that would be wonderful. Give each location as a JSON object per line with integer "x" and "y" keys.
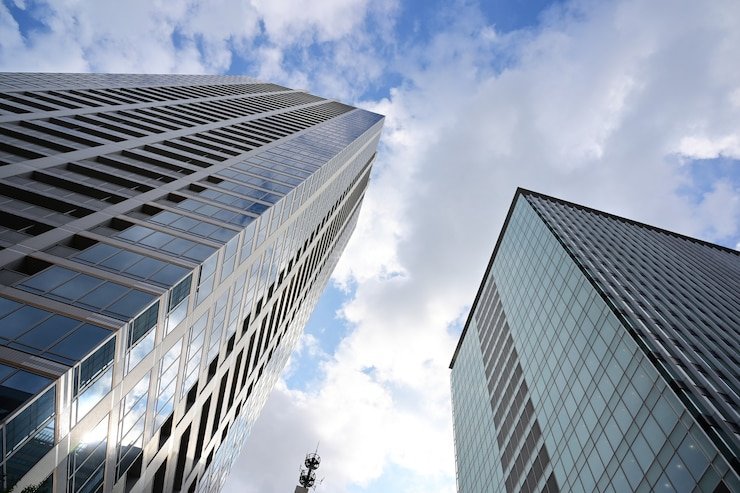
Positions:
{"x": 720, "y": 208}
{"x": 706, "y": 148}
{"x": 328, "y": 20}
{"x": 107, "y": 36}
{"x": 193, "y": 36}
{"x": 592, "y": 108}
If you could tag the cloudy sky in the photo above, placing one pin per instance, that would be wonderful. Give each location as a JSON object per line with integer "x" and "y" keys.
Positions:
{"x": 630, "y": 106}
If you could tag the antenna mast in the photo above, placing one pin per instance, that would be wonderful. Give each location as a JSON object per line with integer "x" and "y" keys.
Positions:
{"x": 307, "y": 476}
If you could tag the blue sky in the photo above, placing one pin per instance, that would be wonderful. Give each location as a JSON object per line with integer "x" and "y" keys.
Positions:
{"x": 630, "y": 106}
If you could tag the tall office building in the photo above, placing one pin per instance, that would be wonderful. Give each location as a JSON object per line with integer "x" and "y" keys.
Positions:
{"x": 600, "y": 354}
{"x": 163, "y": 239}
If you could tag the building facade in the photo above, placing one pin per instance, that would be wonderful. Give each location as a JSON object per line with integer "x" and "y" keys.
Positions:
{"x": 600, "y": 354}
{"x": 163, "y": 240}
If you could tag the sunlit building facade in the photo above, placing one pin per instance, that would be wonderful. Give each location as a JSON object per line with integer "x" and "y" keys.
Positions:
{"x": 163, "y": 240}
{"x": 600, "y": 354}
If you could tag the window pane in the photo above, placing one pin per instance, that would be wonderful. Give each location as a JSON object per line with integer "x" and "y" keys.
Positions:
{"x": 103, "y": 295}
{"x": 177, "y": 315}
{"x": 132, "y": 425}
{"x": 81, "y": 341}
{"x": 26, "y": 382}
{"x": 178, "y": 246}
{"x": 200, "y": 252}
{"x": 48, "y": 331}
{"x": 143, "y": 324}
{"x": 93, "y": 394}
{"x": 97, "y": 253}
{"x": 7, "y": 306}
{"x": 164, "y": 217}
{"x": 169, "y": 275}
{"x": 121, "y": 260}
{"x": 156, "y": 240}
{"x": 27, "y": 456}
{"x": 5, "y": 371}
{"x": 49, "y": 278}
{"x": 134, "y": 233}
{"x": 20, "y": 321}
{"x": 28, "y": 421}
{"x": 87, "y": 462}
{"x": 131, "y": 303}
{"x": 223, "y": 234}
{"x": 180, "y": 292}
{"x": 140, "y": 350}
{"x": 17, "y": 389}
{"x": 77, "y": 287}
{"x": 145, "y": 267}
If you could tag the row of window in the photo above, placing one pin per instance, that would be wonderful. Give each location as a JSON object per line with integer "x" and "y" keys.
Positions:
{"x": 267, "y": 335}
{"x": 46, "y": 334}
{"x": 54, "y": 100}
{"x": 652, "y": 294}
{"x": 509, "y": 395}
{"x": 598, "y": 382}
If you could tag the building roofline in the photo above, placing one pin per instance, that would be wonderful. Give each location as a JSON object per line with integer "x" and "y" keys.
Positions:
{"x": 525, "y": 192}
{"x": 519, "y": 191}
{"x": 631, "y": 221}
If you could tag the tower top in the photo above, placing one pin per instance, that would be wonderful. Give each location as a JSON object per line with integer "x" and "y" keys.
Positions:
{"x": 307, "y": 476}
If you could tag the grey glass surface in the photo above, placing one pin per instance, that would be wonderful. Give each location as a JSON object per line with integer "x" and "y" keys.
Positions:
{"x": 87, "y": 461}
{"x": 678, "y": 298}
{"x": 23, "y": 459}
{"x": 87, "y": 291}
{"x": 28, "y": 421}
{"x": 17, "y": 387}
{"x": 609, "y": 419}
{"x": 44, "y": 333}
{"x": 131, "y": 264}
{"x": 149, "y": 238}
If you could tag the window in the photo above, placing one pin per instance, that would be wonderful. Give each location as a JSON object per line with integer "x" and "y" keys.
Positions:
{"x": 229, "y": 199}
{"x": 16, "y": 387}
{"x": 131, "y": 264}
{"x": 92, "y": 380}
{"x": 28, "y": 421}
{"x": 141, "y": 334}
{"x": 29, "y": 436}
{"x": 131, "y": 425}
{"x": 178, "y": 303}
{"x": 195, "y": 347}
{"x": 87, "y": 461}
{"x": 267, "y": 261}
{"x": 264, "y": 221}
{"x": 236, "y": 304}
{"x": 219, "y": 319}
{"x": 252, "y": 288}
{"x": 229, "y": 257}
{"x": 206, "y": 279}
{"x": 88, "y": 292}
{"x": 167, "y": 243}
{"x": 166, "y": 384}
{"x": 199, "y": 227}
{"x": 46, "y": 334}
{"x": 247, "y": 243}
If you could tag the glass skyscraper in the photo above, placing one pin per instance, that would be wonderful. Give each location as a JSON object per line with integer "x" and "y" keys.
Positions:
{"x": 600, "y": 354}
{"x": 163, "y": 240}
